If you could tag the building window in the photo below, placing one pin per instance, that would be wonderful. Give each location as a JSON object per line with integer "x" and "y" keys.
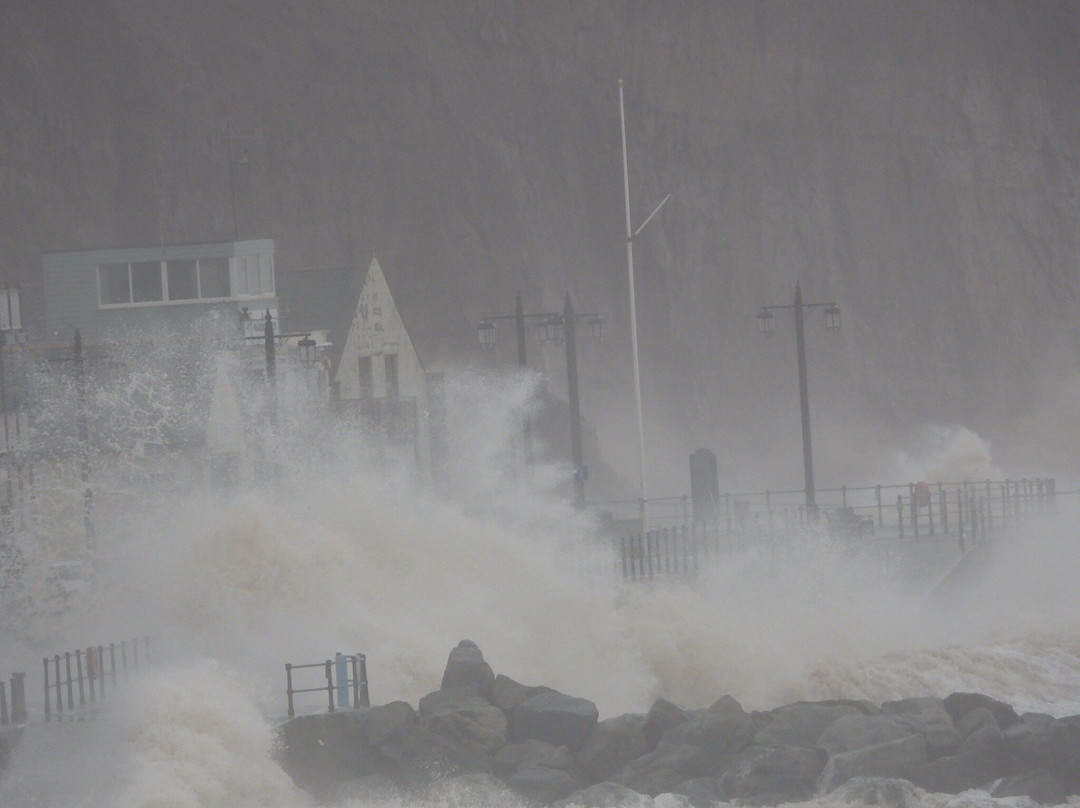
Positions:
{"x": 254, "y": 276}
{"x": 391, "y": 366}
{"x": 182, "y": 279}
{"x": 185, "y": 279}
{"x": 366, "y": 388}
{"x": 213, "y": 277}
{"x": 114, "y": 283}
{"x": 146, "y": 282}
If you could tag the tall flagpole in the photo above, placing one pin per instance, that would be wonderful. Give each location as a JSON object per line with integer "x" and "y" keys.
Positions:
{"x": 642, "y": 499}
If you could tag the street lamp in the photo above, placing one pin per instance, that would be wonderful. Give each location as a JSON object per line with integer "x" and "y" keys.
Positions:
{"x": 558, "y": 329}
{"x": 306, "y": 348}
{"x": 768, "y": 328}
{"x": 631, "y": 234}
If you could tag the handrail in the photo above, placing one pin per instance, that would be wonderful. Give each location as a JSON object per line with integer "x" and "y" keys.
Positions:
{"x": 967, "y": 511}
{"x": 89, "y": 679}
{"x": 341, "y": 665}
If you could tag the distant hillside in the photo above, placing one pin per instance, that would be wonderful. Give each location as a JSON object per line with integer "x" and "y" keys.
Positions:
{"x": 917, "y": 162}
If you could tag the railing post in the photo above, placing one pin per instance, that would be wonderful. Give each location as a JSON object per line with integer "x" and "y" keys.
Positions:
{"x": 944, "y": 506}
{"x": 289, "y": 688}
{"x": 900, "y": 513}
{"x": 364, "y": 696}
{"x": 355, "y": 658}
{"x": 59, "y": 691}
{"x": 342, "y": 672}
{"x": 70, "y": 683}
{"x": 100, "y": 659}
{"x": 914, "y": 516}
{"x": 3, "y": 704}
{"x": 48, "y": 711}
{"x": 18, "y": 698}
{"x": 330, "y": 684}
{"x": 960, "y": 519}
{"x": 880, "y": 510}
{"x": 79, "y": 669}
{"x": 989, "y": 508}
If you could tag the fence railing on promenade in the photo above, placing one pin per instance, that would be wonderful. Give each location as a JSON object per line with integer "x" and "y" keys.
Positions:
{"x": 76, "y": 680}
{"x": 341, "y": 676}
{"x": 681, "y": 537}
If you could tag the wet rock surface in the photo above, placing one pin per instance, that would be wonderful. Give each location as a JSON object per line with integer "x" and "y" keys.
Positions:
{"x": 549, "y": 748}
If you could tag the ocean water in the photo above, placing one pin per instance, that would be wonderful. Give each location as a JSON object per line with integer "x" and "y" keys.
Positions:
{"x": 342, "y": 551}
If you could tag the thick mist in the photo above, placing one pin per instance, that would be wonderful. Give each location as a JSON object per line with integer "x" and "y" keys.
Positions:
{"x": 337, "y": 546}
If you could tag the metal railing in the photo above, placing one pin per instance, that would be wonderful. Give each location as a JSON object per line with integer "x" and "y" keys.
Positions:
{"x": 86, "y": 671}
{"x": 18, "y": 713}
{"x": 350, "y": 672}
{"x": 966, "y": 510}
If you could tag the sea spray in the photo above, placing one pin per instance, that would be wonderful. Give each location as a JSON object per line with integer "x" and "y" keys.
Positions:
{"x": 199, "y": 740}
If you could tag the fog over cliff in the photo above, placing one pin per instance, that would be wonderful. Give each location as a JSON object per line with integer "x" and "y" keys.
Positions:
{"x": 918, "y": 163}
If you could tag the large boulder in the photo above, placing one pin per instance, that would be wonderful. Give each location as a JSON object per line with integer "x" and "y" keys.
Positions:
{"x": 324, "y": 748}
{"x": 896, "y": 759}
{"x": 606, "y": 795}
{"x": 508, "y": 694}
{"x": 801, "y": 723}
{"x": 857, "y": 731}
{"x": 773, "y": 775}
{"x": 928, "y": 717}
{"x": 664, "y": 768}
{"x": 960, "y": 704}
{"x": 980, "y": 761}
{"x": 466, "y": 668}
{"x": 611, "y": 745}
{"x": 703, "y": 792}
{"x": 663, "y": 715}
{"x": 559, "y": 719}
{"x": 881, "y": 791}
{"x": 538, "y": 771}
{"x": 1041, "y": 741}
{"x": 1040, "y": 785}
{"x": 721, "y": 733}
{"x": 468, "y": 721}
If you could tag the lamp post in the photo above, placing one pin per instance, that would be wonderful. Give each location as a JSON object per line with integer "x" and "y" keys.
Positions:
{"x": 271, "y": 365}
{"x": 84, "y": 443}
{"x": 832, "y": 324}
{"x": 553, "y": 328}
{"x": 631, "y": 234}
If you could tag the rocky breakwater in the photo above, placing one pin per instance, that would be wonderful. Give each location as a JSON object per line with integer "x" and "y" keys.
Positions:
{"x": 548, "y": 748}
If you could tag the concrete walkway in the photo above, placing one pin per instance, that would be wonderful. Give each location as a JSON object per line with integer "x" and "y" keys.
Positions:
{"x": 65, "y": 764}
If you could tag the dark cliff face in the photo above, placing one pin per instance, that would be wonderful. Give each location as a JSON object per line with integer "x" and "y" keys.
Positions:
{"x": 915, "y": 162}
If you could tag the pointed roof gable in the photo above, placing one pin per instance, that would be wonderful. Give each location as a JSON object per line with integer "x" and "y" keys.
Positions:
{"x": 326, "y": 298}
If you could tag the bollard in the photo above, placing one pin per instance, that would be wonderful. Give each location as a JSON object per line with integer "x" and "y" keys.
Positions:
{"x": 18, "y": 698}
{"x": 342, "y": 673}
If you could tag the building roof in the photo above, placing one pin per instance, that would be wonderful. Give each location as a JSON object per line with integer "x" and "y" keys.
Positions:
{"x": 319, "y": 298}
